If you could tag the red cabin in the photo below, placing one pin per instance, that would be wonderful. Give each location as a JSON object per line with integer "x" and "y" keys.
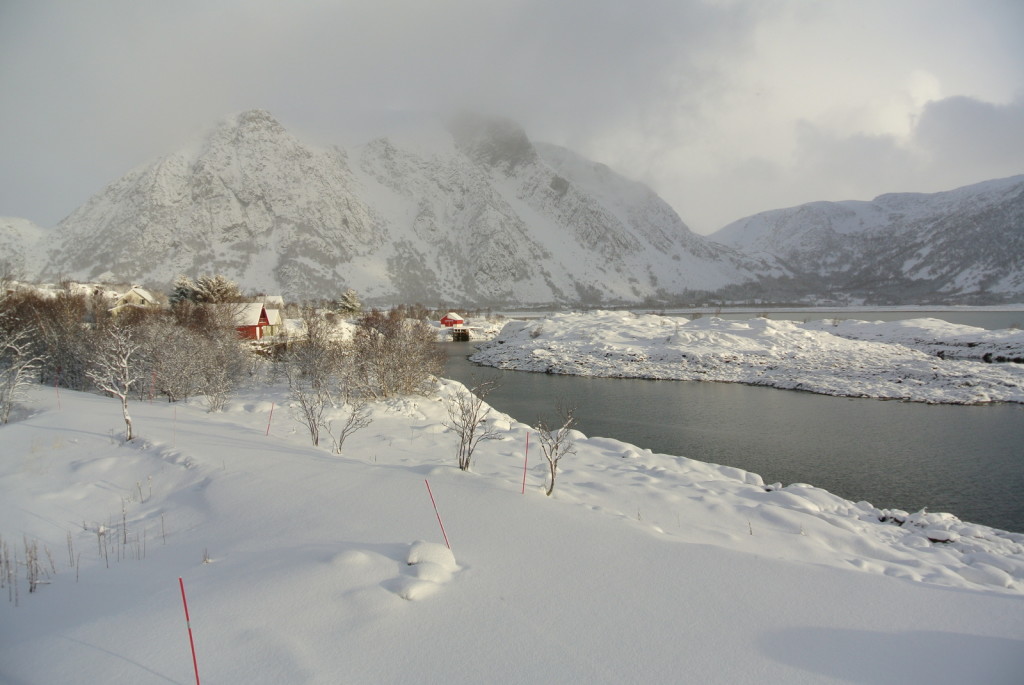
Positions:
{"x": 452, "y": 319}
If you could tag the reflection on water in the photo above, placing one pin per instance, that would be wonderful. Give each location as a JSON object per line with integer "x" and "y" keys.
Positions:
{"x": 965, "y": 460}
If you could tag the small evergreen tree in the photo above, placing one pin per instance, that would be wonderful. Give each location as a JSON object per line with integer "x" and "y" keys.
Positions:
{"x": 349, "y": 303}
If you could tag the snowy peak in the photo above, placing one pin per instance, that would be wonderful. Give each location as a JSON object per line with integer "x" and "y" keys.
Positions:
{"x": 495, "y": 143}
{"x": 248, "y": 192}
{"x": 963, "y": 245}
{"x": 468, "y": 212}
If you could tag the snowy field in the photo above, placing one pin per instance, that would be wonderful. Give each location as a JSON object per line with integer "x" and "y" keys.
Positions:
{"x": 891, "y": 360}
{"x": 306, "y": 567}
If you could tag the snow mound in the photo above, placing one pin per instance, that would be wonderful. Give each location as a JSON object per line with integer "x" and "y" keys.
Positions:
{"x": 432, "y": 564}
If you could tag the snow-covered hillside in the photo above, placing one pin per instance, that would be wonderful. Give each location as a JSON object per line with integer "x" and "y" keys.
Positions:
{"x": 19, "y": 241}
{"x": 966, "y": 243}
{"x": 305, "y": 567}
{"x": 896, "y": 360}
{"x": 469, "y": 212}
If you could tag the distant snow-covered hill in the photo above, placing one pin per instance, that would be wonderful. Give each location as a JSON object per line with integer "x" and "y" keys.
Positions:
{"x": 965, "y": 244}
{"x": 19, "y": 239}
{"x": 469, "y": 212}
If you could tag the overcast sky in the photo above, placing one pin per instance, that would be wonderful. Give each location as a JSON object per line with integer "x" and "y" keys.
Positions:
{"x": 724, "y": 107}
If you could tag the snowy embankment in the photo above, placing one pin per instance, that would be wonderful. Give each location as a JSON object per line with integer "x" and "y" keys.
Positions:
{"x": 933, "y": 336}
{"x": 306, "y": 567}
{"x": 856, "y": 359}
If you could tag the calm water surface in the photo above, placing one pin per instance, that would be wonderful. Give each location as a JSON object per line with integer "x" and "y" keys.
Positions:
{"x": 965, "y": 460}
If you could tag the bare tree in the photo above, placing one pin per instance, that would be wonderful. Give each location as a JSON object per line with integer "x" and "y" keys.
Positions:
{"x": 115, "y": 366}
{"x": 17, "y": 362}
{"x": 63, "y": 343}
{"x": 312, "y": 368}
{"x": 557, "y": 442}
{"x": 467, "y": 417}
{"x": 394, "y": 355}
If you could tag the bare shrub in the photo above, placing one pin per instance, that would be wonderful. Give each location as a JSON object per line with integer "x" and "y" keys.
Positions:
{"x": 312, "y": 368}
{"x": 356, "y": 417}
{"x": 467, "y": 417}
{"x": 556, "y": 442}
{"x": 394, "y": 355}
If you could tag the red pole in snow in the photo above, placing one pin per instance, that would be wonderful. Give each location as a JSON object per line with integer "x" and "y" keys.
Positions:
{"x": 191, "y": 643}
{"x": 56, "y": 388}
{"x": 271, "y": 417}
{"x": 525, "y": 458}
{"x": 438, "y": 515}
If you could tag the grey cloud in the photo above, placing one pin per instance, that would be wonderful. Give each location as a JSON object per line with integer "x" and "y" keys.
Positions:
{"x": 94, "y": 89}
{"x": 965, "y": 133}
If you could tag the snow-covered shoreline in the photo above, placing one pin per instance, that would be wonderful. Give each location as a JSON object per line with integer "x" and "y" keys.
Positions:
{"x": 888, "y": 360}
{"x": 305, "y": 566}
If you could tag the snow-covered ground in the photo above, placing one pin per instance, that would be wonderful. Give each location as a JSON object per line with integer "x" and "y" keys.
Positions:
{"x": 306, "y": 567}
{"x": 892, "y": 360}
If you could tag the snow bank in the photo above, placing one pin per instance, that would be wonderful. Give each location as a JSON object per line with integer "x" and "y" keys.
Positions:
{"x": 856, "y": 359}
{"x": 934, "y": 336}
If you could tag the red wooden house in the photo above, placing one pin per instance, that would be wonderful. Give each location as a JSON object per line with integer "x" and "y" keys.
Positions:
{"x": 251, "y": 319}
{"x": 452, "y": 319}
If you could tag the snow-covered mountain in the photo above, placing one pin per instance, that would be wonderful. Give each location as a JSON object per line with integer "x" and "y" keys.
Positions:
{"x": 19, "y": 241}
{"x": 965, "y": 244}
{"x": 471, "y": 211}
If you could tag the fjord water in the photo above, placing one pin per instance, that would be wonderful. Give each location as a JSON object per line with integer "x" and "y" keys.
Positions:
{"x": 966, "y": 460}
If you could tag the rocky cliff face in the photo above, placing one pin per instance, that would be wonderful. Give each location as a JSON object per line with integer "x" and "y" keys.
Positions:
{"x": 477, "y": 214}
{"x": 961, "y": 245}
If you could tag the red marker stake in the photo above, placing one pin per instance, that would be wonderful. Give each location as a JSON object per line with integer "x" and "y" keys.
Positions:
{"x": 526, "y": 457}
{"x": 191, "y": 643}
{"x": 271, "y": 417}
{"x": 438, "y": 515}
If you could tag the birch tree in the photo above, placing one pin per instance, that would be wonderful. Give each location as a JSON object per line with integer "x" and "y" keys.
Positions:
{"x": 557, "y": 442}
{"x": 17, "y": 363}
{"x": 114, "y": 367}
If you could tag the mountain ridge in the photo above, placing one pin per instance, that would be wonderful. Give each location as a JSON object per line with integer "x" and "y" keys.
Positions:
{"x": 964, "y": 245}
{"x": 480, "y": 218}
{"x": 470, "y": 210}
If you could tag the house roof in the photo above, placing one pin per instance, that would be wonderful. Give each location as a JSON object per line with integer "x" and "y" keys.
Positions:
{"x": 274, "y": 317}
{"x": 453, "y": 315}
{"x": 138, "y": 292}
{"x": 244, "y": 313}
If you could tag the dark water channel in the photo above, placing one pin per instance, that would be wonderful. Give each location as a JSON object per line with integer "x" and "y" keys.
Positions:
{"x": 967, "y": 460}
